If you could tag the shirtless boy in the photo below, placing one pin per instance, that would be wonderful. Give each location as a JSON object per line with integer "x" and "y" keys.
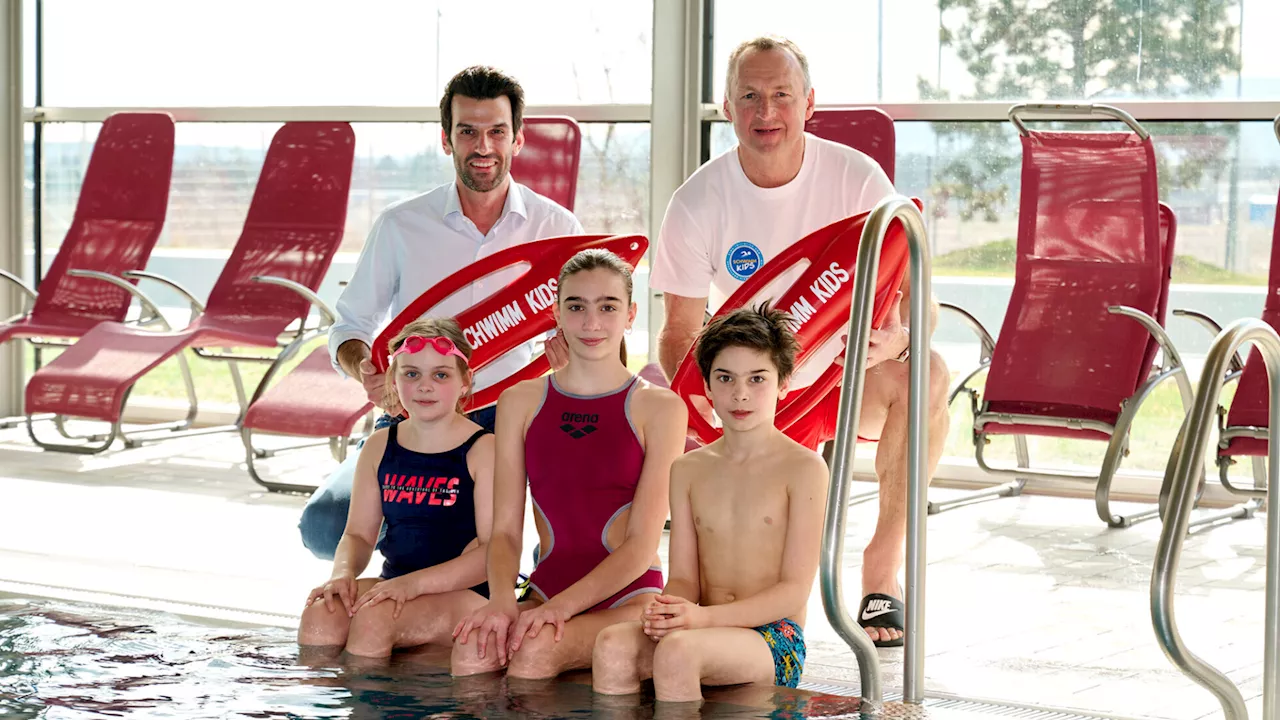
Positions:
{"x": 746, "y": 526}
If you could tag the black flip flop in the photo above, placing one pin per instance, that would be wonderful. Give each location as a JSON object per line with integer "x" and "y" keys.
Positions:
{"x": 883, "y": 611}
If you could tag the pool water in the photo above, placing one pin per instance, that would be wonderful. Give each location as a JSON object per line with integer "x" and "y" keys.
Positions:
{"x": 65, "y": 660}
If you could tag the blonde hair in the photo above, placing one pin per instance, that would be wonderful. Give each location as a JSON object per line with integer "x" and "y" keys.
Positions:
{"x": 598, "y": 259}
{"x": 763, "y": 43}
{"x": 429, "y": 328}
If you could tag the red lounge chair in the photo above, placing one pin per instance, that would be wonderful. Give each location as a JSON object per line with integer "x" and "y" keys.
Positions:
{"x": 548, "y": 163}
{"x": 117, "y": 221}
{"x": 294, "y": 226}
{"x": 1243, "y": 427}
{"x": 869, "y": 130}
{"x": 1094, "y": 243}
{"x": 314, "y": 401}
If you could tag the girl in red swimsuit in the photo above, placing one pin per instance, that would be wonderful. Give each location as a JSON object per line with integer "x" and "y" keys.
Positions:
{"x": 593, "y": 444}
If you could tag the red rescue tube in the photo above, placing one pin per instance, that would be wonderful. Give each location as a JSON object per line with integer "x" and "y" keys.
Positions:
{"x": 819, "y": 301}
{"x": 517, "y": 313}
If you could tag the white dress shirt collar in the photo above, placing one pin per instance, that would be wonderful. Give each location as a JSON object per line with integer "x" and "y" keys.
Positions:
{"x": 456, "y": 219}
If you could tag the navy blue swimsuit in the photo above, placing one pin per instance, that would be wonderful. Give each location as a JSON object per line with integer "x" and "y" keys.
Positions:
{"x": 429, "y": 506}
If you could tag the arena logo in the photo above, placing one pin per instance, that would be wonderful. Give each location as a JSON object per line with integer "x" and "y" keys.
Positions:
{"x": 579, "y": 425}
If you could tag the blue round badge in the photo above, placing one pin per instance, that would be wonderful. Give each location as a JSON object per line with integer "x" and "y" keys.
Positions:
{"x": 743, "y": 260}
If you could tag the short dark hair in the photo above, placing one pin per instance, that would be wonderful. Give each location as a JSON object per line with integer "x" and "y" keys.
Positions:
{"x": 762, "y": 328}
{"x": 482, "y": 82}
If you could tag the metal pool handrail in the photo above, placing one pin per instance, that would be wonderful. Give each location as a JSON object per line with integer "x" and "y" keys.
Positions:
{"x": 1182, "y": 477}
{"x": 894, "y": 207}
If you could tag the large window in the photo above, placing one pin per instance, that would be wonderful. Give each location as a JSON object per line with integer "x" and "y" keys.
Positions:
{"x": 900, "y": 51}
{"x": 336, "y": 52}
{"x": 216, "y": 167}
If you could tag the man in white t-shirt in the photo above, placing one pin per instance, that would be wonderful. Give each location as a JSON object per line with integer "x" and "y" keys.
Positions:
{"x": 745, "y": 207}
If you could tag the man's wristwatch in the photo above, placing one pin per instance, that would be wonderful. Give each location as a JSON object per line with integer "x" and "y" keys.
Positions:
{"x": 906, "y": 351}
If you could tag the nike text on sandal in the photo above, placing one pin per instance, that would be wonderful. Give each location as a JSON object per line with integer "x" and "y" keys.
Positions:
{"x": 882, "y": 611}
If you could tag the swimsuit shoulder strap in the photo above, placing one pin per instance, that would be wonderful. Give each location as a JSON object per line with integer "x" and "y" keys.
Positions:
{"x": 465, "y": 447}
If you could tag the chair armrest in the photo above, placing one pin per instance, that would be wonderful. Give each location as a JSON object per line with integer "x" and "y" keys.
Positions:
{"x": 328, "y": 316}
{"x": 25, "y": 288}
{"x": 1172, "y": 360}
{"x": 984, "y": 337}
{"x": 1236, "y": 364}
{"x": 197, "y": 307}
{"x": 143, "y": 300}
{"x": 1171, "y": 356}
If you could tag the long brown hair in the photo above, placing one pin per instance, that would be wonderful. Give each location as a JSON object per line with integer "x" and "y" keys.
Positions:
{"x": 429, "y": 328}
{"x": 599, "y": 259}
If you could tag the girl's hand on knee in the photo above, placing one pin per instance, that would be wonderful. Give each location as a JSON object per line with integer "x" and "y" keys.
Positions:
{"x": 398, "y": 590}
{"x": 342, "y": 589}
{"x": 494, "y": 617}
{"x": 532, "y": 621}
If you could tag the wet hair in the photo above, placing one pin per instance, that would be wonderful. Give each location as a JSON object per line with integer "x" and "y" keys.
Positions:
{"x": 762, "y": 328}
{"x": 763, "y": 43}
{"x": 481, "y": 82}
{"x": 430, "y": 328}
{"x": 598, "y": 259}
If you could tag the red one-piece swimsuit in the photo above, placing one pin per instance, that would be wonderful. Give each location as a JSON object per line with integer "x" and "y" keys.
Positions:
{"x": 583, "y": 458}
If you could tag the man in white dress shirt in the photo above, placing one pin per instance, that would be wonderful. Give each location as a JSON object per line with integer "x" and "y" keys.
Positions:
{"x": 748, "y": 205}
{"x": 419, "y": 241}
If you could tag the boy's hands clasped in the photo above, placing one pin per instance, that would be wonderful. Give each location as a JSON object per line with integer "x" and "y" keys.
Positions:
{"x": 668, "y": 613}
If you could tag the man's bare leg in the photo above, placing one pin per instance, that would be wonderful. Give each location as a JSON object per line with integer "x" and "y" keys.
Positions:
{"x": 885, "y": 410}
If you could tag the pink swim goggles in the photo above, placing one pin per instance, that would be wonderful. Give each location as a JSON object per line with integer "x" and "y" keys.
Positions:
{"x": 416, "y": 343}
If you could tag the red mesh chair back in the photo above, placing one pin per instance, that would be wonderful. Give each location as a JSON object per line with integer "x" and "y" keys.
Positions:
{"x": 548, "y": 163}
{"x": 117, "y": 221}
{"x": 1249, "y": 406}
{"x": 294, "y": 226}
{"x": 868, "y": 130}
{"x": 1168, "y": 241}
{"x": 1089, "y": 237}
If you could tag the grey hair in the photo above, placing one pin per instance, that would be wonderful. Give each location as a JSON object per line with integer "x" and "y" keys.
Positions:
{"x": 762, "y": 43}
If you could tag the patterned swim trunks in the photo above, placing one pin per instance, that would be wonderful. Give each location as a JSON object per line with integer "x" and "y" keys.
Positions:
{"x": 786, "y": 642}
